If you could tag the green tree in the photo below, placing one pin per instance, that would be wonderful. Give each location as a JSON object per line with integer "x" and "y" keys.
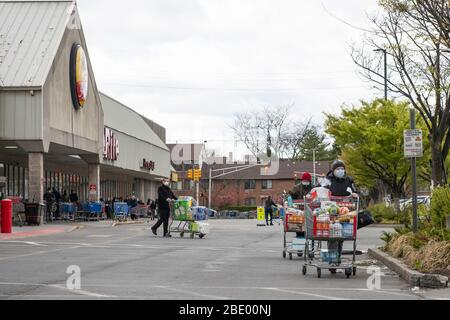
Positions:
{"x": 371, "y": 141}
{"x": 415, "y": 36}
{"x": 314, "y": 140}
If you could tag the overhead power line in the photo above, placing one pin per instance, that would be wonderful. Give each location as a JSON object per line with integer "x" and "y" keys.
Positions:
{"x": 231, "y": 89}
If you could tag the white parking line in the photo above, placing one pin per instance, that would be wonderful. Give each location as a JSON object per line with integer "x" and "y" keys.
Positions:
{"x": 79, "y": 292}
{"x": 188, "y": 293}
{"x": 305, "y": 294}
{"x": 100, "y": 236}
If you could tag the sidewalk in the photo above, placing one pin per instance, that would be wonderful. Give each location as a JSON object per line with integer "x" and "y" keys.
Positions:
{"x": 35, "y": 231}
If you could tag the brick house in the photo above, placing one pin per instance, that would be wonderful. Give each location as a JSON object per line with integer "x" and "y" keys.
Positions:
{"x": 246, "y": 187}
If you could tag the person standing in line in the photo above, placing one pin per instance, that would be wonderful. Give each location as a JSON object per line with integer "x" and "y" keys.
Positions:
{"x": 65, "y": 197}
{"x": 57, "y": 195}
{"x": 153, "y": 209}
{"x": 73, "y": 197}
{"x": 165, "y": 196}
{"x": 49, "y": 198}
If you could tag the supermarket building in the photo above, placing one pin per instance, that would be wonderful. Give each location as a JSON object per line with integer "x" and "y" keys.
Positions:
{"x": 56, "y": 128}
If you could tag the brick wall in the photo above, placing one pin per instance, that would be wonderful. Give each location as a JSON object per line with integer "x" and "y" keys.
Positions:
{"x": 232, "y": 193}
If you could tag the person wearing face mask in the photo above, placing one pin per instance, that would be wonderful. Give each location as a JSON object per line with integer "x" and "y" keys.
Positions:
{"x": 165, "y": 196}
{"x": 302, "y": 189}
{"x": 341, "y": 185}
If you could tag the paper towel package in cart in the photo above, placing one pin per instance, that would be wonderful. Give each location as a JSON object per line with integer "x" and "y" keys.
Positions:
{"x": 201, "y": 227}
{"x": 199, "y": 213}
{"x": 182, "y": 210}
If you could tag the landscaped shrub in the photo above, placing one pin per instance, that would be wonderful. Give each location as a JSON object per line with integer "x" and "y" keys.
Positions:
{"x": 440, "y": 207}
{"x": 423, "y": 215}
{"x": 381, "y": 213}
{"x": 420, "y": 252}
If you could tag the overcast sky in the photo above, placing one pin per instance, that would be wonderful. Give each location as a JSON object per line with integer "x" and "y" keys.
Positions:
{"x": 191, "y": 64}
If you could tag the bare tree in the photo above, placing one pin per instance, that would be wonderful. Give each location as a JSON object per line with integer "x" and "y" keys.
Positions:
{"x": 294, "y": 138}
{"x": 262, "y": 131}
{"x": 414, "y": 34}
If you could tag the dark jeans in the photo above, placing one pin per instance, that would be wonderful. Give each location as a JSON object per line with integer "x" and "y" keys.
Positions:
{"x": 163, "y": 219}
{"x": 269, "y": 213}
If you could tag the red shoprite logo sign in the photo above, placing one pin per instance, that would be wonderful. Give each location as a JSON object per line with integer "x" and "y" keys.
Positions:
{"x": 79, "y": 76}
{"x": 149, "y": 165}
{"x": 110, "y": 145}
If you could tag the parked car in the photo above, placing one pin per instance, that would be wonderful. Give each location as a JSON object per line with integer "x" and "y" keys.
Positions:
{"x": 212, "y": 213}
{"x": 426, "y": 200}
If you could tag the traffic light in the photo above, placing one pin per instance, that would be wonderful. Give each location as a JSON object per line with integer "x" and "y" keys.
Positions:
{"x": 190, "y": 174}
{"x": 197, "y": 175}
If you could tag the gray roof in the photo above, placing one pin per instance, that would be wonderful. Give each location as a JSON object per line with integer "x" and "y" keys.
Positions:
{"x": 124, "y": 119}
{"x": 30, "y": 34}
{"x": 287, "y": 170}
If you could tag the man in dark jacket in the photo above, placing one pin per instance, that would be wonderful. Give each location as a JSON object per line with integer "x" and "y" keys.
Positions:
{"x": 165, "y": 196}
{"x": 341, "y": 185}
{"x": 49, "y": 198}
{"x": 268, "y": 207}
{"x": 73, "y": 197}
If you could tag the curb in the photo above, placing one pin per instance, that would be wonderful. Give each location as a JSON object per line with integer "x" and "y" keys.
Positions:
{"x": 128, "y": 222}
{"x": 414, "y": 278}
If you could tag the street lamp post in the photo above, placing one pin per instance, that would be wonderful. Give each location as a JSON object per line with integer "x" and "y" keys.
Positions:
{"x": 314, "y": 167}
{"x": 385, "y": 72}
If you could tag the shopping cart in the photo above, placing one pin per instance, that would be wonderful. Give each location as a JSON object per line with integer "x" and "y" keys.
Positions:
{"x": 335, "y": 229}
{"x": 34, "y": 213}
{"x": 68, "y": 211}
{"x": 276, "y": 215}
{"x": 18, "y": 210}
{"x": 294, "y": 220}
{"x": 188, "y": 220}
{"x": 94, "y": 211}
{"x": 121, "y": 211}
{"x": 139, "y": 211}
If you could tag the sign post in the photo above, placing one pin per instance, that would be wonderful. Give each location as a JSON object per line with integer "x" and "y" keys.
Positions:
{"x": 414, "y": 149}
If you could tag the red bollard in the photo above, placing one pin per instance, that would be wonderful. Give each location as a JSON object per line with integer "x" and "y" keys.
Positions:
{"x": 6, "y": 216}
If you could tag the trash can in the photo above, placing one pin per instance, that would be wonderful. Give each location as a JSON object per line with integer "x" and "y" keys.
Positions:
{"x": 33, "y": 214}
{"x": 6, "y": 216}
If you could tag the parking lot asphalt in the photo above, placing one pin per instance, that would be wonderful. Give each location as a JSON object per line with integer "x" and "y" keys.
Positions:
{"x": 237, "y": 260}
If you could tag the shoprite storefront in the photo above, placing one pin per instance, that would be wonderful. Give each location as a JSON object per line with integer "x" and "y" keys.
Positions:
{"x": 56, "y": 128}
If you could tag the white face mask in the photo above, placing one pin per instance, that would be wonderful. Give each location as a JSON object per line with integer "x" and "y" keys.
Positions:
{"x": 339, "y": 173}
{"x": 166, "y": 183}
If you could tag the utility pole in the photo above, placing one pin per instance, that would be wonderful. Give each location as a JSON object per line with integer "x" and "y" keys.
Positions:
{"x": 314, "y": 167}
{"x": 210, "y": 187}
{"x": 414, "y": 174}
